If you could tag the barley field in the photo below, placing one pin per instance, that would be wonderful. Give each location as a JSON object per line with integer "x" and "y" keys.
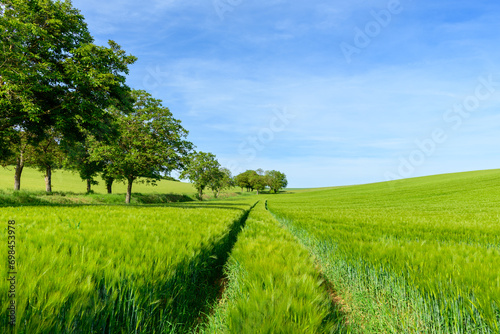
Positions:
{"x": 113, "y": 269}
{"x": 273, "y": 284}
{"x": 411, "y": 256}
{"x": 418, "y": 255}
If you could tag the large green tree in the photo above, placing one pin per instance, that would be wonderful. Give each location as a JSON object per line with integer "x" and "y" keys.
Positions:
{"x": 18, "y": 154}
{"x": 203, "y": 170}
{"x": 258, "y": 182}
{"x": 48, "y": 156}
{"x": 52, "y": 76}
{"x": 79, "y": 159}
{"x": 276, "y": 180}
{"x": 246, "y": 180}
{"x": 221, "y": 179}
{"x": 151, "y": 143}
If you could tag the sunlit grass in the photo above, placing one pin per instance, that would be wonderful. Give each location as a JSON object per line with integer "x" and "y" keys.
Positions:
{"x": 409, "y": 256}
{"x": 435, "y": 237}
{"x": 273, "y": 285}
{"x": 113, "y": 269}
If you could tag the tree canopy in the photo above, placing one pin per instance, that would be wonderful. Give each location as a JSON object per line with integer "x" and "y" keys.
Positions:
{"x": 276, "y": 180}
{"x": 64, "y": 102}
{"x": 52, "y": 77}
{"x": 259, "y": 180}
{"x": 203, "y": 170}
{"x": 151, "y": 143}
{"x": 221, "y": 179}
{"x": 245, "y": 180}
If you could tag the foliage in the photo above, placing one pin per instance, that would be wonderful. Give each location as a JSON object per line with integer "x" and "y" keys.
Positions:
{"x": 221, "y": 179}
{"x": 79, "y": 159}
{"x": 203, "y": 170}
{"x": 259, "y": 180}
{"x": 79, "y": 155}
{"x": 276, "y": 180}
{"x": 244, "y": 180}
{"x": 151, "y": 143}
{"x": 51, "y": 75}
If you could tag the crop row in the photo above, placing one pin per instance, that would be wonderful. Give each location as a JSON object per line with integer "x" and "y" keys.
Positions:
{"x": 273, "y": 284}
{"x": 96, "y": 269}
{"x": 440, "y": 241}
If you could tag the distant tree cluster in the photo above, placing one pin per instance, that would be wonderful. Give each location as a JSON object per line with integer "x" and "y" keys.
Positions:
{"x": 64, "y": 103}
{"x": 204, "y": 171}
{"x": 260, "y": 180}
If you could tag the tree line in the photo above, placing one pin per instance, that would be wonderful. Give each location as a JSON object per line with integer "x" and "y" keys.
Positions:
{"x": 260, "y": 180}
{"x": 64, "y": 103}
{"x": 204, "y": 171}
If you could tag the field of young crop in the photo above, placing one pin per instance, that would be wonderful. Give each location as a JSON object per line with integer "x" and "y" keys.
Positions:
{"x": 114, "y": 269}
{"x": 273, "y": 284}
{"x": 418, "y": 255}
{"x": 411, "y": 256}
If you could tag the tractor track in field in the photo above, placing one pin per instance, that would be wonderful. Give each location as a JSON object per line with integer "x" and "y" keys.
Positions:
{"x": 339, "y": 307}
{"x": 219, "y": 279}
{"x": 335, "y": 317}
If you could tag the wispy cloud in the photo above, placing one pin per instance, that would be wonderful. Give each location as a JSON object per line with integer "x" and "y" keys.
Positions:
{"x": 224, "y": 79}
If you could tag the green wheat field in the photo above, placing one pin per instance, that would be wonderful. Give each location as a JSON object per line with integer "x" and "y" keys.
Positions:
{"x": 419, "y": 255}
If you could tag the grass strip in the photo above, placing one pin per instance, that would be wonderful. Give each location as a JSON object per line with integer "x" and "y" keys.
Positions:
{"x": 118, "y": 269}
{"x": 273, "y": 285}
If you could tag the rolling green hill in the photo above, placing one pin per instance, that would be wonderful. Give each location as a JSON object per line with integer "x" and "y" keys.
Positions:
{"x": 67, "y": 181}
{"x": 418, "y": 255}
{"x": 415, "y": 255}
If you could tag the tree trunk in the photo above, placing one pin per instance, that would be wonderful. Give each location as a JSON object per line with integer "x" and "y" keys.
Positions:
{"x": 18, "y": 172}
{"x": 257, "y": 191}
{"x": 89, "y": 185}
{"x": 129, "y": 191}
{"x": 109, "y": 185}
{"x": 200, "y": 195}
{"x": 48, "y": 179}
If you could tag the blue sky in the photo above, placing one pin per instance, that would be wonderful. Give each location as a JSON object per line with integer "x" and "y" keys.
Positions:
{"x": 329, "y": 92}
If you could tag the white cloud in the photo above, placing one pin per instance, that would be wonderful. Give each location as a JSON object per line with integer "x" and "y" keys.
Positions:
{"x": 224, "y": 78}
